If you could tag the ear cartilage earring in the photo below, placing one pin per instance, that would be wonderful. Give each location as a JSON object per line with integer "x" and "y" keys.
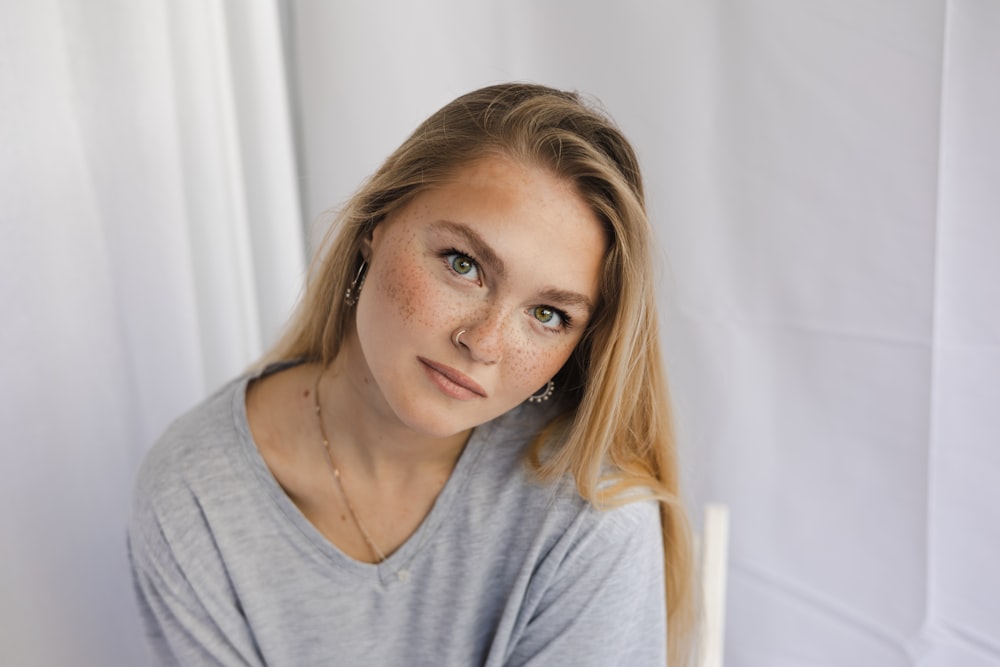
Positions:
{"x": 456, "y": 337}
{"x": 354, "y": 290}
{"x": 544, "y": 393}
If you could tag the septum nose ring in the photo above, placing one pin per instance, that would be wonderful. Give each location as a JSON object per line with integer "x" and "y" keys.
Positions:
{"x": 456, "y": 337}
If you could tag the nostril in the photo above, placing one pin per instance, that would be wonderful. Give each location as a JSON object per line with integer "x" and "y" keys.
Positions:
{"x": 486, "y": 338}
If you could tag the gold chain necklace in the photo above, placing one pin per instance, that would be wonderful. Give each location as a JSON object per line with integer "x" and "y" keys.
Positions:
{"x": 376, "y": 552}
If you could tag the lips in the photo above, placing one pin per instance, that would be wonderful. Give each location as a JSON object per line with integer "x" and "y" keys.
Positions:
{"x": 453, "y": 382}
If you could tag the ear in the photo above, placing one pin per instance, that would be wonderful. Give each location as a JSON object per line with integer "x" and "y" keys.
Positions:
{"x": 365, "y": 247}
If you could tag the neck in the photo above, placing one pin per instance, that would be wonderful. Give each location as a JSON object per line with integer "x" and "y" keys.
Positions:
{"x": 366, "y": 435}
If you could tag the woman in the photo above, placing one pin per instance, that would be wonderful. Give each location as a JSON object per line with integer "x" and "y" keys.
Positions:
{"x": 460, "y": 453}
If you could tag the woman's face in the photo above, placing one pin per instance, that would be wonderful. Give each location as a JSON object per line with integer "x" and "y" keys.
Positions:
{"x": 509, "y": 252}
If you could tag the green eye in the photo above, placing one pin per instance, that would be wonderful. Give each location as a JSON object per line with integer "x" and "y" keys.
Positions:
{"x": 544, "y": 315}
{"x": 551, "y": 318}
{"x": 462, "y": 264}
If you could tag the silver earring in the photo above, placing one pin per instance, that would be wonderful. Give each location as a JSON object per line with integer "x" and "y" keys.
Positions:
{"x": 354, "y": 290}
{"x": 544, "y": 393}
{"x": 456, "y": 337}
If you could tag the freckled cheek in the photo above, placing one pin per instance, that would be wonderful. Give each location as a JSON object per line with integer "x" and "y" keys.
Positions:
{"x": 406, "y": 288}
{"x": 531, "y": 367}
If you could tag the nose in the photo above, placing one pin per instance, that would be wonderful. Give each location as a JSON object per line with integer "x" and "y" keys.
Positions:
{"x": 484, "y": 337}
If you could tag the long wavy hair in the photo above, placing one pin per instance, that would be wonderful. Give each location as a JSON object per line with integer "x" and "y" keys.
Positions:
{"x": 615, "y": 436}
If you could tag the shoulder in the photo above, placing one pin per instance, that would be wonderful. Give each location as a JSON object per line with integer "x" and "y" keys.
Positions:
{"x": 195, "y": 466}
{"x": 504, "y": 480}
{"x": 564, "y": 533}
{"x": 597, "y": 538}
{"x": 193, "y": 447}
{"x": 186, "y": 518}
{"x": 597, "y": 595}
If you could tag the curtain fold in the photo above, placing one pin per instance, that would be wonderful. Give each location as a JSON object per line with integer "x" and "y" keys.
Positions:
{"x": 964, "y": 504}
{"x": 142, "y": 263}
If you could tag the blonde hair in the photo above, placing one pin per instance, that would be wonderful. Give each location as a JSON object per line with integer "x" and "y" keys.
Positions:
{"x": 616, "y": 436}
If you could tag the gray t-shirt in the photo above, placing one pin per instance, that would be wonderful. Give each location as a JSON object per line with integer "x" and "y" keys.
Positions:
{"x": 502, "y": 571}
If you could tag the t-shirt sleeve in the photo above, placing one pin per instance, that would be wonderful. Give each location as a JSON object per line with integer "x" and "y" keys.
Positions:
{"x": 598, "y": 598}
{"x": 189, "y": 611}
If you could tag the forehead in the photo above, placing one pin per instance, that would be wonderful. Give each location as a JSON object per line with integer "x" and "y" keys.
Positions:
{"x": 501, "y": 192}
{"x": 533, "y": 219}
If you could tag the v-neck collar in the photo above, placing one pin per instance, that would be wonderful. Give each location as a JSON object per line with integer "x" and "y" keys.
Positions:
{"x": 396, "y": 566}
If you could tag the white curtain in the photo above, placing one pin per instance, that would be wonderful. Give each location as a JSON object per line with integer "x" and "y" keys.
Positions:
{"x": 150, "y": 243}
{"x": 823, "y": 177}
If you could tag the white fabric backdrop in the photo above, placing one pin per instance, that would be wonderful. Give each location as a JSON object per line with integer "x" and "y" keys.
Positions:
{"x": 150, "y": 240}
{"x": 823, "y": 177}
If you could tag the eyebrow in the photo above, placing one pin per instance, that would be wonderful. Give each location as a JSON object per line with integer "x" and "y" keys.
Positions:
{"x": 566, "y": 298}
{"x": 480, "y": 248}
{"x": 484, "y": 253}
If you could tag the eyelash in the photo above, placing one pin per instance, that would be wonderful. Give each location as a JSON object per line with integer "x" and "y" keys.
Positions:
{"x": 566, "y": 322}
